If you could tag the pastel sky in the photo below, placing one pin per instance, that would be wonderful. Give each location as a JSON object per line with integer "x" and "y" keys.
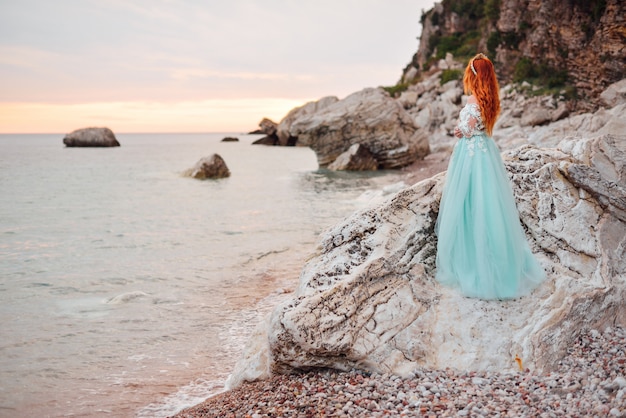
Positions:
{"x": 192, "y": 65}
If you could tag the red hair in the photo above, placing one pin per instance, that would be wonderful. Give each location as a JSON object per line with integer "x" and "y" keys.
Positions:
{"x": 480, "y": 80}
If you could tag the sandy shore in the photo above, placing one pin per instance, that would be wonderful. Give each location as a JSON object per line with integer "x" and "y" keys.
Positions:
{"x": 590, "y": 381}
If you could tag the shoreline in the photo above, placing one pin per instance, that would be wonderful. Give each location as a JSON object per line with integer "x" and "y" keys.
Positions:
{"x": 589, "y": 381}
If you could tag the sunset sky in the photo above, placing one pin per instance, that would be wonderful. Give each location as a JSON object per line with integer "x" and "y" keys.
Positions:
{"x": 192, "y": 66}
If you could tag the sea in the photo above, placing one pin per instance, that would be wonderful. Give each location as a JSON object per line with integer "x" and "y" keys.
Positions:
{"x": 130, "y": 290}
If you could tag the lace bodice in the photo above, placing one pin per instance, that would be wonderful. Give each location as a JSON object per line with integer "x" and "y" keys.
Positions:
{"x": 471, "y": 122}
{"x": 472, "y": 127}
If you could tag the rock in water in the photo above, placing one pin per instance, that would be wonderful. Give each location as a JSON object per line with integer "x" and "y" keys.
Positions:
{"x": 267, "y": 127}
{"x": 368, "y": 300}
{"x": 213, "y": 167}
{"x": 356, "y": 158}
{"x": 370, "y": 118}
{"x": 91, "y": 137}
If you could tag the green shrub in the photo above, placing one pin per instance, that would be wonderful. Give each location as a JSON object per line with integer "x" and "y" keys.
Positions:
{"x": 473, "y": 9}
{"x": 491, "y": 9}
{"x": 461, "y": 45}
{"x": 539, "y": 74}
{"x": 524, "y": 70}
{"x": 447, "y": 44}
{"x": 492, "y": 43}
{"x": 395, "y": 91}
{"x": 449, "y": 75}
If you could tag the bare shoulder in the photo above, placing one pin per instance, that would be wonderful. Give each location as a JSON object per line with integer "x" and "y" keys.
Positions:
{"x": 472, "y": 99}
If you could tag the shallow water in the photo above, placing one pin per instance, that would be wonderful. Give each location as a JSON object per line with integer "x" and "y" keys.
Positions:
{"x": 127, "y": 289}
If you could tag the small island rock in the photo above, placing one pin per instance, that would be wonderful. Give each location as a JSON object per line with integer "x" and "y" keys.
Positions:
{"x": 267, "y": 127}
{"x": 212, "y": 167}
{"x": 230, "y": 139}
{"x": 91, "y": 137}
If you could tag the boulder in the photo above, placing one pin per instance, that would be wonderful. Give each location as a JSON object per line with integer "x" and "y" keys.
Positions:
{"x": 615, "y": 94}
{"x": 585, "y": 125}
{"x": 284, "y": 137}
{"x": 268, "y": 128}
{"x": 368, "y": 299}
{"x": 212, "y": 167}
{"x": 356, "y": 158}
{"x": 91, "y": 137}
{"x": 369, "y": 117}
{"x": 230, "y": 139}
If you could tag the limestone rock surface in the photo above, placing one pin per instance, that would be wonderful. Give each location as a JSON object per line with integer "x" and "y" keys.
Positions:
{"x": 356, "y": 158}
{"x": 368, "y": 298}
{"x": 212, "y": 167}
{"x": 614, "y": 94}
{"x": 91, "y": 137}
{"x": 368, "y": 117}
{"x": 282, "y": 131}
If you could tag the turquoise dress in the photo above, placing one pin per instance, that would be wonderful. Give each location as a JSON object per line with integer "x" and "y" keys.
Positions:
{"x": 481, "y": 246}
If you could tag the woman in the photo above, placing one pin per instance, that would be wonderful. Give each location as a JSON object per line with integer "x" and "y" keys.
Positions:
{"x": 481, "y": 246}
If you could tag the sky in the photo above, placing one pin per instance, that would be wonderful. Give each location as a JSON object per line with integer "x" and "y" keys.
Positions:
{"x": 192, "y": 65}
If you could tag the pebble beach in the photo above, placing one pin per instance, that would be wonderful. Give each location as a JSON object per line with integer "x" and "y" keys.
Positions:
{"x": 590, "y": 381}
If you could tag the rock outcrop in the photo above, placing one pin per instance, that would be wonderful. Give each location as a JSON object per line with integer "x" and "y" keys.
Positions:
{"x": 91, "y": 137}
{"x": 230, "y": 139}
{"x": 212, "y": 167}
{"x": 268, "y": 128}
{"x": 368, "y": 298}
{"x": 368, "y": 117}
{"x": 284, "y": 137}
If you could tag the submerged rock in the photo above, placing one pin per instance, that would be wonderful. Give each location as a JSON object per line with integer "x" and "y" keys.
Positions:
{"x": 368, "y": 300}
{"x": 91, "y": 137}
{"x": 212, "y": 167}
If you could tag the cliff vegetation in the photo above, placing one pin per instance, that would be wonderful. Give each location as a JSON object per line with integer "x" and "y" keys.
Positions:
{"x": 575, "y": 47}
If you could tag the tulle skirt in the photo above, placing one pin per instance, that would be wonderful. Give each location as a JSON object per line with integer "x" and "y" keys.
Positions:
{"x": 481, "y": 245}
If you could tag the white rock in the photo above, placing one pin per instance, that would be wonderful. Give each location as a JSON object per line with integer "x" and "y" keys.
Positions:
{"x": 368, "y": 117}
{"x": 615, "y": 94}
{"x": 368, "y": 299}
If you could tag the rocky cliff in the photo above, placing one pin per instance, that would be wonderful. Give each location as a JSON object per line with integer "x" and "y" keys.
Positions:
{"x": 553, "y": 43}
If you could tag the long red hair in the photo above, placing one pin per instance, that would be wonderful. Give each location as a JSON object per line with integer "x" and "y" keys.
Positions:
{"x": 484, "y": 86}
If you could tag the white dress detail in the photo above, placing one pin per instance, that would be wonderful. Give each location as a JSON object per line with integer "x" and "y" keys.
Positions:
{"x": 472, "y": 127}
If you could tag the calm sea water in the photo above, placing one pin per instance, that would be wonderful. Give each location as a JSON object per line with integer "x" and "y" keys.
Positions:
{"x": 127, "y": 289}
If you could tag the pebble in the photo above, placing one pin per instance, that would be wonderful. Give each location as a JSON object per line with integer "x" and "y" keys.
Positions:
{"x": 589, "y": 381}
